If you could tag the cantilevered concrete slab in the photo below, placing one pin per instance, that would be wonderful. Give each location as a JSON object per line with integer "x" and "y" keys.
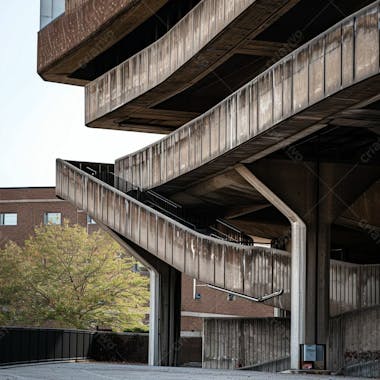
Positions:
{"x": 336, "y": 73}
{"x": 85, "y": 30}
{"x": 205, "y": 38}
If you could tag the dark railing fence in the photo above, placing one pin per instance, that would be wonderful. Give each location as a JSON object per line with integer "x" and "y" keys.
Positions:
{"x": 20, "y": 345}
{"x": 27, "y": 345}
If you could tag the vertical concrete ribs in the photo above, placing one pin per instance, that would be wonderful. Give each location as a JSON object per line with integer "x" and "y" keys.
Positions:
{"x": 248, "y": 270}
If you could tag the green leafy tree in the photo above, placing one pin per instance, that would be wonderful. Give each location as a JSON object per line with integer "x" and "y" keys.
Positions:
{"x": 64, "y": 277}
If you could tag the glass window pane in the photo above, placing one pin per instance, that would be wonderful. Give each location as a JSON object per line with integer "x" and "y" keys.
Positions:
{"x": 8, "y": 219}
{"x": 52, "y": 218}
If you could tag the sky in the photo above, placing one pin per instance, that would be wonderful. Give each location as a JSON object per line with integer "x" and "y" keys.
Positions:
{"x": 42, "y": 121}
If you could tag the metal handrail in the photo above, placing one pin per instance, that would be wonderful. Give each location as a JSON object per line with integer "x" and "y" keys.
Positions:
{"x": 254, "y": 299}
{"x": 106, "y": 175}
{"x": 165, "y": 217}
{"x": 163, "y": 199}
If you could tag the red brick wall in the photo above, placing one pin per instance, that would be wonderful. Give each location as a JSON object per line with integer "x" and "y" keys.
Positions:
{"x": 213, "y": 301}
{"x": 30, "y": 204}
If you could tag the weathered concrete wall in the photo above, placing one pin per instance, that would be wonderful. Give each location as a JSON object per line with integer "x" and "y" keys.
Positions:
{"x": 250, "y": 270}
{"x": 153, "y": 65}
{"x": 245, "y": 269}
{"x": 82, "y": 33}
{"x": 353, "y": 286}
{"x": 206, "y": 37}
{"x": 298, "y": 92}
{"x": 236, "y": 343}
{"x": 353, "y": 348}
{"x": 354, "y": 343}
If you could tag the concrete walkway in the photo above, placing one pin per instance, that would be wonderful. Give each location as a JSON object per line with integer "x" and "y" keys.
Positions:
{"x": 93, "y": 371}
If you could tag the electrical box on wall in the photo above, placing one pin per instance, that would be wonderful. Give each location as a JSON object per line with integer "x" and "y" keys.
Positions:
{"x": 313, "y": 356}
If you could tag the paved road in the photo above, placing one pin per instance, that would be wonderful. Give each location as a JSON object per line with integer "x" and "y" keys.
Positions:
{"x": 93, "y": 371}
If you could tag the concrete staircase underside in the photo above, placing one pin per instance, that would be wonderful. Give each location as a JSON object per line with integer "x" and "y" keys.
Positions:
{"x": 248, "y": 270}
{"x": 320, "y": 83}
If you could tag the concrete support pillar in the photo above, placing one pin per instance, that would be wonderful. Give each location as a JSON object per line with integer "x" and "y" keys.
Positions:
{"x": 154, "y": 336}
{"x": 169, "y": 315}
{"x": 165, "y": 304}
{"x": 298, "y": 265}
{"x": 165, "y": 316}
{"x": 318, "y": 193}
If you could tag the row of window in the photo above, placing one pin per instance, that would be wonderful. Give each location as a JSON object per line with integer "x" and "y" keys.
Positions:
{"x": 10, "y": 218}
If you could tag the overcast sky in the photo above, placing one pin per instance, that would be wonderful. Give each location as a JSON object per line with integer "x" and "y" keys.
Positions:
{"x": 42, "y": 121}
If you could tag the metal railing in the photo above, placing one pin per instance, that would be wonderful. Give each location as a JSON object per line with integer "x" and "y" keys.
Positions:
{"x": 33, "y": 344}
{"x": 26, "y": 344}
{"x": 244, "y": 269}
{"x": 105, "y": 173}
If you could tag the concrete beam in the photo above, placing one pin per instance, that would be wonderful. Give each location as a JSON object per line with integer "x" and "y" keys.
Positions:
{"x": 237, "y": 212}
{"x": 262, "y": 48}
{"x": 298, "y": 264}
{"x": 165, "y": 73}
{"x": 285, "y": 102}
{"x": 85, "y": 32}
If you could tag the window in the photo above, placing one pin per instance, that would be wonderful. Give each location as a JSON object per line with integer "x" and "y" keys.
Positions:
{"x": 8, "y": 219}
{"x": 90, "y": 220}
{"x": 49, "y": 10}
{"x": 52, "y": 218}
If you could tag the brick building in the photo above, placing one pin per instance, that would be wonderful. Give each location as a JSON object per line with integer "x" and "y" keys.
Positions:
{"x": 22, "y": 209}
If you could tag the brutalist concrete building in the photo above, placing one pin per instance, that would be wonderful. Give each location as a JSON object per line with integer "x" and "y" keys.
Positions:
{"x": 270, "y": 111}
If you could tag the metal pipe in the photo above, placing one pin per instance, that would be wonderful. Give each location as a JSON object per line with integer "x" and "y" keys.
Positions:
{"x": 298, "y": 264}
{"x": 254, "y": 299}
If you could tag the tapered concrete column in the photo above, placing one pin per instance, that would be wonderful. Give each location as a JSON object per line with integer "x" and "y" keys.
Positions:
{"x": 165, "y": 304}
{"x": 298, "y": 264}
{"x": 154, "y": 346}
{"x": 319, "y": 192}
{"x": 165, "y": 316}
{"x": 169, "y": 316}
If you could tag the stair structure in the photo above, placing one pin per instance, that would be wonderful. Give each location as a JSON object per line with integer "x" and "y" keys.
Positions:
{"x": 271, "y": 110}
